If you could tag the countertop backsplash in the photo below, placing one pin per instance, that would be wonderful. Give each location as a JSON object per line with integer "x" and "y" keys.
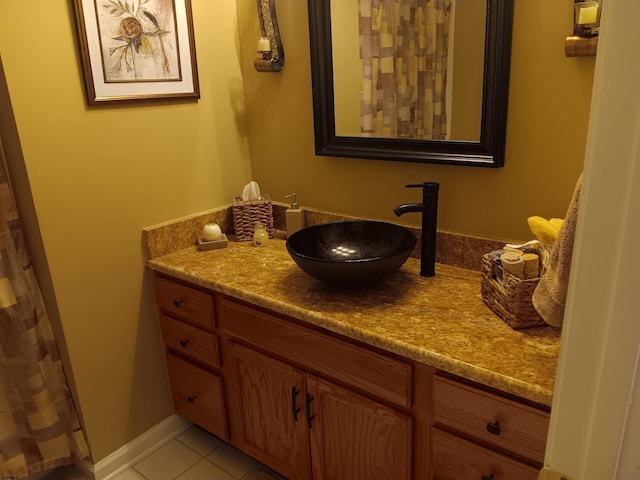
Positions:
{"x": 453, "y": 249}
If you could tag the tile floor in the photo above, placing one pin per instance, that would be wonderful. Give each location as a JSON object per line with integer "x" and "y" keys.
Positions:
{"x": 197, "y": 455}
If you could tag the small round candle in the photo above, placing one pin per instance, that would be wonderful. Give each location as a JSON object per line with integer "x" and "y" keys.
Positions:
{"x": 211, "y": 232}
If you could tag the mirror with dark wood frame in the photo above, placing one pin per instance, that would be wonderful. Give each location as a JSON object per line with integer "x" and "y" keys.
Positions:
{"x": 485, "y": 149}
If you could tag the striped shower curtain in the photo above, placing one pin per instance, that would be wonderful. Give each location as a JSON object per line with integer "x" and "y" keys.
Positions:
{"x": 39, "y": 427}
{"x": 403, "y": 49}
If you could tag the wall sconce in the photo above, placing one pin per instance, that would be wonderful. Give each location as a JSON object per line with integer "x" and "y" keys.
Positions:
{"x": 586, "y": 26}
{"x": 587, "y": 18}
{"x": 269, "y": 45}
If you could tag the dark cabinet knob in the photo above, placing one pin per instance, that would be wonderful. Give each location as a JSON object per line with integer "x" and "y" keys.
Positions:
{"x": 177, "y": 303}
{"x": 490, "y": 477}
{"x": 184, "y": 342}
{"x": 191, "y": 399}
{"x": 493, "y": 428}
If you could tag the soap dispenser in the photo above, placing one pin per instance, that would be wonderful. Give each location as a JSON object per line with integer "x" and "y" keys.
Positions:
{"x": 294, "y": 216}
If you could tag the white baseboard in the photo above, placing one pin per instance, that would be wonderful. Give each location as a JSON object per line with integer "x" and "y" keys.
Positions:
{"x": 138, "y": 448}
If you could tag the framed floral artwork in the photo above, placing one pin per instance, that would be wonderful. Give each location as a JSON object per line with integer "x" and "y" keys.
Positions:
{"x": 137, "y": 49}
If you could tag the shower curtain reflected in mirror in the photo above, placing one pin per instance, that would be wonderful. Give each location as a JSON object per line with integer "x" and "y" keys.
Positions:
{"x": 404, "y": 50}
{"x": 39, "y": 426}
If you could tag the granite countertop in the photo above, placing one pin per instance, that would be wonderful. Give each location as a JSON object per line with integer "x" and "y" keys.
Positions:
{"x": 440, "y": 321}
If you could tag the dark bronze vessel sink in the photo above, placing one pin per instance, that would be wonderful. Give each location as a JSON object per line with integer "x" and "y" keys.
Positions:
{"x": 351, "y": 252}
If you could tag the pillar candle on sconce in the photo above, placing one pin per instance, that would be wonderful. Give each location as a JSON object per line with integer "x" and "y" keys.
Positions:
{"x": 587, "y": 18}
{"x": 269, "y": 46}
{"x": 586, "y": 27}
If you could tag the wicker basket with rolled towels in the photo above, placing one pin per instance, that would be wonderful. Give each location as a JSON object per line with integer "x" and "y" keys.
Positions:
{"x": 527, "y": 288}
{"x": 506, "y": 291}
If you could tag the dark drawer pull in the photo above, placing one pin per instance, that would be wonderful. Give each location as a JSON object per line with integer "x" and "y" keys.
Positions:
{"x": 177, "y": 303}
{"x": 184, "y": 343}
{"x": 309, "y": 416}
{"x": 493, "y": 428}
{"x": 191, "y": 399}
{"x": 490, "y": 477}
{"x": 294, "y": 409}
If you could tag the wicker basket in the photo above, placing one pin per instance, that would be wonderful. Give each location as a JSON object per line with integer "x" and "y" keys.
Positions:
{"x": 247, "y": 213}
{"x": 511, "y": 298}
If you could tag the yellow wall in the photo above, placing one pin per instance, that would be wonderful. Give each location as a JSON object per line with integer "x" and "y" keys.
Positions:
{"x": 468, "y": 69}
{"x": 347, "y": 67}
{"x": 98, "y": 176}
{"x": 548, "y": 114}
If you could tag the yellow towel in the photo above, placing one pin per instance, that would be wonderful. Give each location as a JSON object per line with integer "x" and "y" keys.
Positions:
{"x": 556, "y": 222}
{"x": 545, "y": 231}
{"x": 550, "y": 295}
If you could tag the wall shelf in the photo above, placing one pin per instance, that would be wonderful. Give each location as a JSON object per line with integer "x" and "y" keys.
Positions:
{"x": 580, "y": 46}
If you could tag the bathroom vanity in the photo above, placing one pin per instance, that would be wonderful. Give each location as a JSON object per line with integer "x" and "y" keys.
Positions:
{"x": 410, "y": 378}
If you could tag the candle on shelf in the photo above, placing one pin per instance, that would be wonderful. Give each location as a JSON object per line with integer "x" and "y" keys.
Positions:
{"x": 587, "y": 19}
{"x": 264, "y": 45}
{"x": 588, "y": 15}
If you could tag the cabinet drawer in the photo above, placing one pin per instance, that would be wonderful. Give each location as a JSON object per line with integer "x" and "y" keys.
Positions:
{"x": 502, "y": 422}
{"x": 190, "y": 341}
{"x": 198, "y": 395}
{"x": 458, "y": 459}
{"x": 184, "y": 302}
{"x": 373, "y": 372}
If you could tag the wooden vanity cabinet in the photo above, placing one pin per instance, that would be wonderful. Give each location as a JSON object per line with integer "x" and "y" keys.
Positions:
{"x": 314, "y": 405}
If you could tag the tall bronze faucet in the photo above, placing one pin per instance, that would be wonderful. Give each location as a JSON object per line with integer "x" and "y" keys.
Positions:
{"x": 429, "y": 210}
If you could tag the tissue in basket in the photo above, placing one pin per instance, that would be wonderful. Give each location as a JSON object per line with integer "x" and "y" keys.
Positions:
{"x": 247, "y": 213}
{"x": 511, "y": 298}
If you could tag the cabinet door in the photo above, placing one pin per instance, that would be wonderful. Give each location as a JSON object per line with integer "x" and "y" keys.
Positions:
{"x": 355, "y": 438}
{"x": 271, "y": 396}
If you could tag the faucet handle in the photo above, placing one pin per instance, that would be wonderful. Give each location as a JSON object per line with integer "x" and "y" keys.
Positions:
{"x": 426, "y": 186}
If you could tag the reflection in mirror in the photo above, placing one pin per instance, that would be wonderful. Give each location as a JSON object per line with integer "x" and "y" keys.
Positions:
{"x": 412, "y": 80}
{"x": 269, "y": 44}
{"x": 455, "y": 46}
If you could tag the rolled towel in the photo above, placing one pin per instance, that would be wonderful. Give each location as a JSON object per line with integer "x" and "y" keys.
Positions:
{"x": 509, "y": 248}
{"x": 513, "y": 263}
{"x": 531, "y": 265}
